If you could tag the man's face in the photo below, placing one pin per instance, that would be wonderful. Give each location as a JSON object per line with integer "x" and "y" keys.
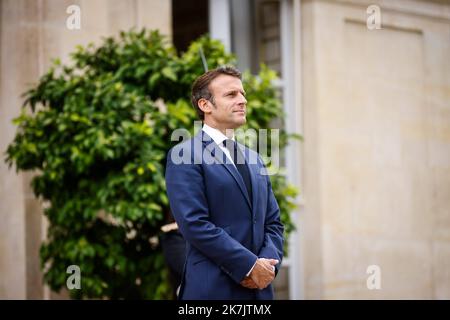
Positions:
{"x": 229, "y": 107}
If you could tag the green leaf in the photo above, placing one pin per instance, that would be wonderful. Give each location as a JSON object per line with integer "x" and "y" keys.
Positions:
{"x": 169, "y": 73}
{"x": 153, "y": 79}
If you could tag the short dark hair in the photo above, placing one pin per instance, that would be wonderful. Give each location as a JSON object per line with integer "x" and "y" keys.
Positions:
{"x": 200, "y": 88}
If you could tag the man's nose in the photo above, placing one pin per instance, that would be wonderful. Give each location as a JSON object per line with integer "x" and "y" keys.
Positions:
{"x": 242, "y": 99}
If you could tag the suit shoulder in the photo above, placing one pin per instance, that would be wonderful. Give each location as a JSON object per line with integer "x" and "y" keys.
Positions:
{"x": 185, "y": 152}
{"x": 183, "y": 144}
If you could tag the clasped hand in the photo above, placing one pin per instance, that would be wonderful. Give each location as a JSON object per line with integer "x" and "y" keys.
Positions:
{"x": 262, "y": 274}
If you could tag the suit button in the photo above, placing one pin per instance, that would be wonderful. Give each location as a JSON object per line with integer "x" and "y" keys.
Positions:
{"x": 254, "y": 221}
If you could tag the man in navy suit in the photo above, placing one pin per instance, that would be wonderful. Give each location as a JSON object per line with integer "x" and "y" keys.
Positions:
{"x": 222, "y": 200}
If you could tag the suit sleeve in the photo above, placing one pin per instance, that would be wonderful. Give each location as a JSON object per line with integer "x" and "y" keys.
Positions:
{"x": 273, "y": 230}
{"x": 186, "y": 192}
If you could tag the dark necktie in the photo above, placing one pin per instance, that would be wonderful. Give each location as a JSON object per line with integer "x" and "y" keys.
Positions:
{"x": 239, "y": 162}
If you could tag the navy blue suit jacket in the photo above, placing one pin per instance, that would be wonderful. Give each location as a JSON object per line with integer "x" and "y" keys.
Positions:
{"x": 225, "y": 230}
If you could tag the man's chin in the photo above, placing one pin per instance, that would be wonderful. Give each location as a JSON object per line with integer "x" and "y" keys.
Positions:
{"x": 240, "y": 122}
{"x": 237, "y": 122}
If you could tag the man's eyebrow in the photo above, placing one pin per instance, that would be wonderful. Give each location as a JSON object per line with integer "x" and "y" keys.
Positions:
{"x": 235, "y": 90}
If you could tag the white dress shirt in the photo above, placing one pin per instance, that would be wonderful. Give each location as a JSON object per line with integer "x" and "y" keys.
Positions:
{"x": 218, "y": 137}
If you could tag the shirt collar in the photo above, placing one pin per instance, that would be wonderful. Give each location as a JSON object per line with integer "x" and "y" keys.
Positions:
{"x": 215, "y": 134}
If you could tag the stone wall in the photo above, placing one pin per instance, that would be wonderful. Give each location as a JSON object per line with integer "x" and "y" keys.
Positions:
{"x": 376, "y": 108}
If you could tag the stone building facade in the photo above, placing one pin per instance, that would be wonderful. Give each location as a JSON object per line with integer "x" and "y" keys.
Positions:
{"x": 372, "y": 102}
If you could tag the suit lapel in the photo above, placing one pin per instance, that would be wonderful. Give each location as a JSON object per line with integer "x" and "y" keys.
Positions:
{"x": 253, "y": 176}
{"x": 217, "y": 153}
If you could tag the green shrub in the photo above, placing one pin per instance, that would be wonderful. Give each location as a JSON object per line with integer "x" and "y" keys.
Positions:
{"x": 97, "y": 137}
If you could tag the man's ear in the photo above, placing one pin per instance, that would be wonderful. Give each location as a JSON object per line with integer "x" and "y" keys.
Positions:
{"x": 204, "y": 105}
